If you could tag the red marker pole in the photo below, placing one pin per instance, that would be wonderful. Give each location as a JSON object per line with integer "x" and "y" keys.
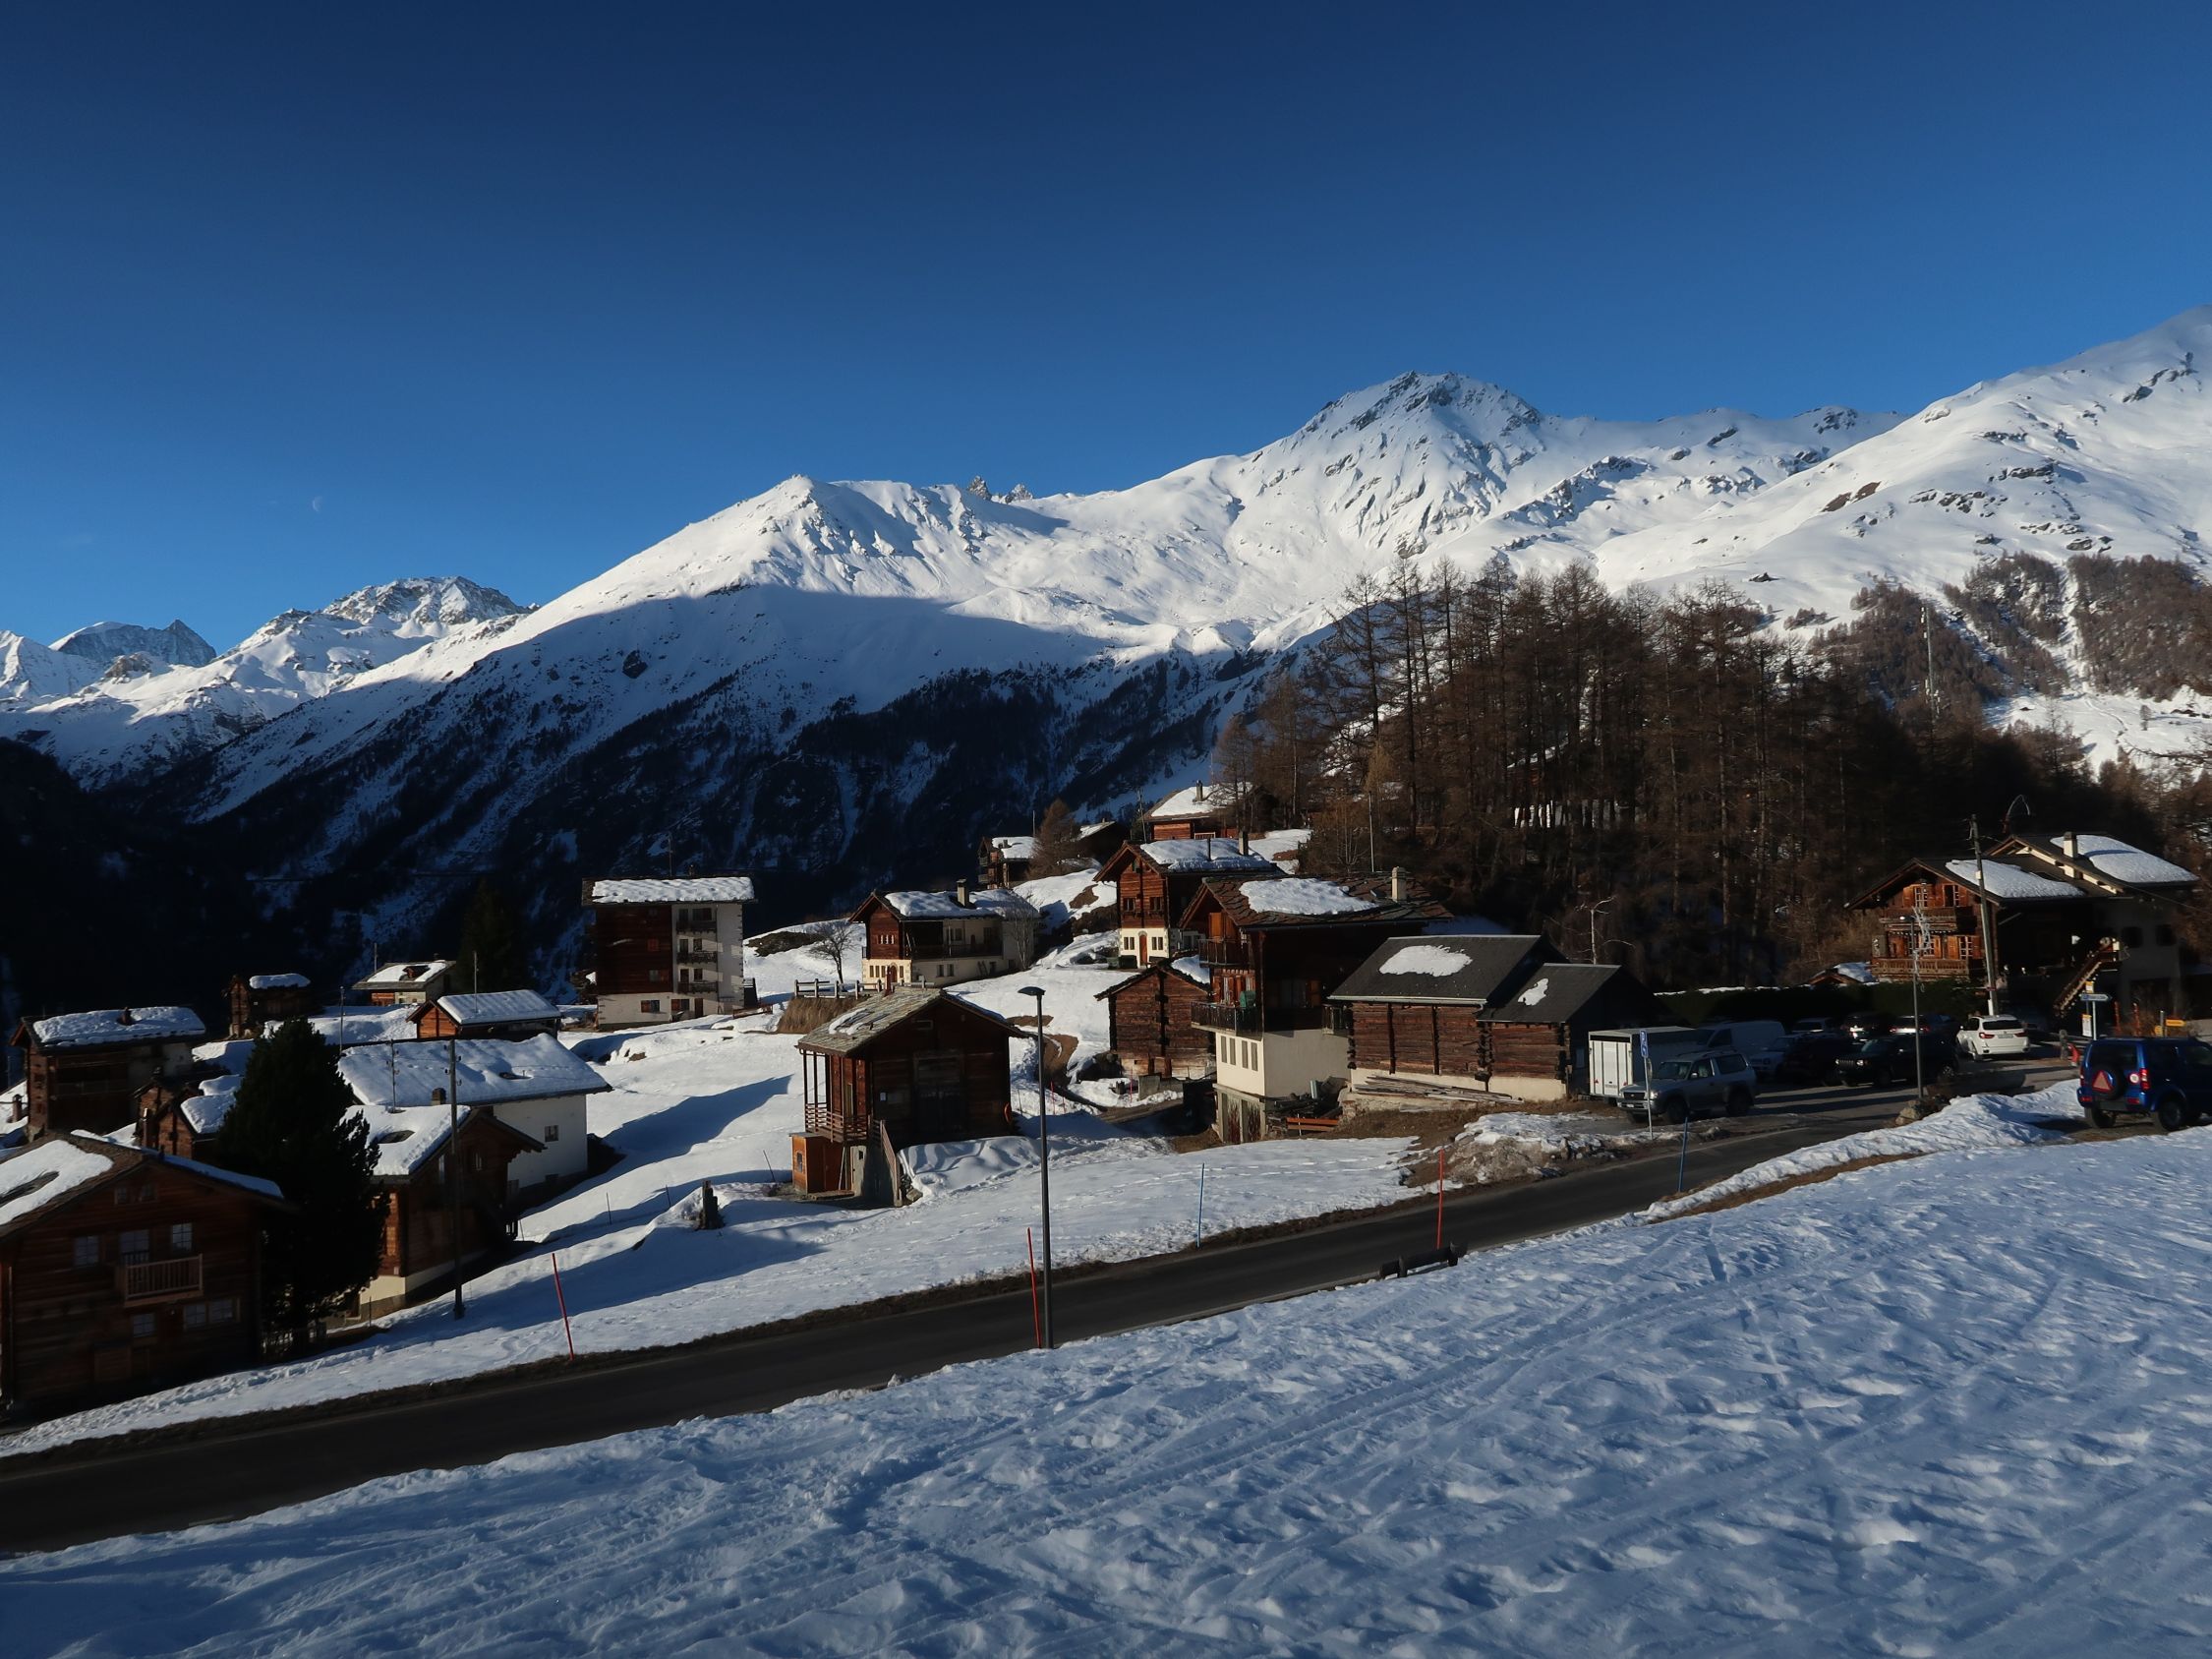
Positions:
{"x": 1036, "y": 1320}
{"x": 560, "y": 1297}
{"x": 1439, "y": 1198}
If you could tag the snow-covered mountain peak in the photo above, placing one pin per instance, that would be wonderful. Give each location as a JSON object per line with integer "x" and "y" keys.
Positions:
{"x": 175, "y": 646}
{"x": 424, "y": 604}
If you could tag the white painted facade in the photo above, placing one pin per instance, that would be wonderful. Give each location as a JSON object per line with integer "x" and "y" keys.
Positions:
{"x": 558, "y": 1123}
{"x": 1275, "y": 1065}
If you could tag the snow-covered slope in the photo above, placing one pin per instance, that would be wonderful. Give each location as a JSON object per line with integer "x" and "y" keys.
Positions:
{"x": 167, "y": 696}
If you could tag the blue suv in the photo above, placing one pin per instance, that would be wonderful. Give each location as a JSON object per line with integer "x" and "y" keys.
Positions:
{"x": 2169, "y": 1077}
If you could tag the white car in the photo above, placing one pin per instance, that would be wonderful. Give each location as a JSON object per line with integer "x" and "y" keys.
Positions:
{"x": 1988, "y": 1037}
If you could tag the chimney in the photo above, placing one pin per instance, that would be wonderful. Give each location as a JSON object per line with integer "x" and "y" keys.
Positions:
{"x": 959, "y": 892}
{"x": 1398, "y": 884}
{"x": 437, "y": 1096}
{"x": 2071, "y": 843}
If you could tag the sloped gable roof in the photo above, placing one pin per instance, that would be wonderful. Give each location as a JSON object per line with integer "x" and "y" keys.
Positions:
{"x": 861, "y": 1026}
{"x": 1468, "y": 969}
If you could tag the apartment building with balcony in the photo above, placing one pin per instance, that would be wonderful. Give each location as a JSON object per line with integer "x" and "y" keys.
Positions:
{"x": 122, "y": 1270}
{"x": 668, "y": 949}
{"x": 929, "y": 938}
{"x": 1276, "y": 948}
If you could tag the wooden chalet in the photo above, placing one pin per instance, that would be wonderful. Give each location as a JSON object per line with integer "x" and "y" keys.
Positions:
{"x": 1202, "y": 809}
{"x": 2067, "y": 913}
{"x": 1149, "y": 1022}
{"x": 179, "y": 1115}
{"x": 83, "y": 1071}
{"x": 121, "y": 1270}
{"x": 943, "y": 938}
{"x": 923, "y": 1064}
{"x": 533, "y": 1085}
{"x": 404, "y": 981}
{"x": 1008, "y": 859}
{"x": 512, "y": 1015}
{"x": 1276, "y": 948}
{"x": 1501, "y": 1012}
{"x": 259, "y": 1000}
{"x": 1155, "y": 881}
{"x": 427, "y": 1221}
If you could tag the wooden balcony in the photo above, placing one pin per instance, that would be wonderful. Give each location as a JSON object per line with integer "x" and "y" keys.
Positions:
{"x": 1897, "y": 970}
{"x": 1253, "y": 1018}
{"x": 172, "y": 1281}
{"x": 1940, "y": 919}
{"x": 1224, "y": 953}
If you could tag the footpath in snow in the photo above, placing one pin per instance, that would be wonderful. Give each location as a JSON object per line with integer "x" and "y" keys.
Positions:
{"x": 1951, "y": 1407}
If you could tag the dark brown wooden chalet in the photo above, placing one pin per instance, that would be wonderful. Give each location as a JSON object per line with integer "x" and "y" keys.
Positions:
{"x": 2067, "y": 912}
{"x": 179, "y": 1115}
{"x": 922, "y": 1063}
{"x": 268, "y": 999}
{"x": 922, "y": 938}
{"x": 422, "y": 1225}
{"x": 514, "y": 1016}
{"x": 83, "y": 1071}
{"x": 1006, "y": 859}
{"x": 395, "y": 983}
{"x": 121, "y": 1270}
{"x": 1276, "y": 948}
{"x": 1502, "y": 1012}
{"x": 1148, "y": 1023}
{"x": 1155, "y": 881}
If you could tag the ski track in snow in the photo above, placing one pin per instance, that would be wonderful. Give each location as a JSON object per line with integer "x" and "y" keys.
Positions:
{"x": 1951, "y": 1407}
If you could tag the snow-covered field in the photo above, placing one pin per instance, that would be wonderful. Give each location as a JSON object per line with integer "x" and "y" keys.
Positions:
{"x": 1950, "y": 1407}
{"x": 716, "y": 1101}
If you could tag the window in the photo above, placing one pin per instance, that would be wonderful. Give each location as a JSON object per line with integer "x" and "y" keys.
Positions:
{"x": 145, "y": 1327}
{"x": 655, "y": 975}
{"x": 87, "y": 1250}
{"x": 135, "y": 1246}
{"x": 1252, "y": 1056}
{"x": 551, "y": 1134}
{"x": 223, "y": 1310}
{"x": 2164, "y": 934}
{"x": 2130, "y": 936}
{"x": 194, "y": 1315}
{"x": 652, "y": 1005}
{"x": 180, "y": 1238}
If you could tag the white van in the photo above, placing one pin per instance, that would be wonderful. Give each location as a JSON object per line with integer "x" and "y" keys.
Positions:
{"x": 1761, "y": 1041}
{"x": 1616, "y": 1057}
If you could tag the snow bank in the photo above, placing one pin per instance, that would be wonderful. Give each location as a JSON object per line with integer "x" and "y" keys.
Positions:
{"x": 1972, "y": 1122}
{"x": 1940, "y": 1409}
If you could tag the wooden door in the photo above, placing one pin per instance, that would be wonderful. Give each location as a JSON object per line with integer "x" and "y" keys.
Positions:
{"x": 940, "y": 1098}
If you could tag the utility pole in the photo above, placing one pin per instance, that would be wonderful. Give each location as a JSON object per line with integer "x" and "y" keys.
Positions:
{"x": 1988, "y": 934}
{"x": 1928, "y": 636}
{"x": 454, "y": 1166}
{"x": 1919, "y": 1032}
{"x": 1044, "y": 1161}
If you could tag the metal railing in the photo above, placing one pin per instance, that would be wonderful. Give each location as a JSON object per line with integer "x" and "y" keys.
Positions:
{"x": 1251, "y": 1017}
{"x": 158, "y": 1281}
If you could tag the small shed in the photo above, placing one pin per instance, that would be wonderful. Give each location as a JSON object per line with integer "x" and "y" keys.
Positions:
{"x": 924, "y": 1063}
{"x": 1148, "y": 1021}
{"x": 258, "y": 1000}
{"x": 1500, "y": 1010}
{"x": 122, "y": 1270}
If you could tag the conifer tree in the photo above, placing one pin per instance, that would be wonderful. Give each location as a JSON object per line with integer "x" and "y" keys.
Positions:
{"x": 290, "y": 1125}
{"x": 491, "y": 958}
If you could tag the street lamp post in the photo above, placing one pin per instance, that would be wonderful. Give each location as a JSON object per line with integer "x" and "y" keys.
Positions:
{"x": 454, "y": 1166}
{"x": 1044, "y": 1164}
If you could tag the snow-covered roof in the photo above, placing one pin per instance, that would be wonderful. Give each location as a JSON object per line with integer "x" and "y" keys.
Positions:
{"x": 57, "y": 1169}
{"x": 398, "y": 976}
{"x": 1305, "y": 895}
{"x": 487, "y": 1069}
{"x": 1553, "y": 992}
{"x": 1213, "y": 854}
{"x": 674, "y": 890}
{"x": 2010, "y": 883}
{"x": 875, "y": 1015}
{"x": 2114, "y": 858}
{"x": 496, "y": 1008}
{"x": 277, "y": 982}
{"x": 1286, "y": 843}
{"x": 981, "y": 901}
{"x": 1015, "y": 846}
{"x": 405, "y": 1138}
{"x": 102, "y": 1027}
{"x": 1858, "y": 972}
{"x": 1200, "y": 799}
{"x": 206, "y": 1110}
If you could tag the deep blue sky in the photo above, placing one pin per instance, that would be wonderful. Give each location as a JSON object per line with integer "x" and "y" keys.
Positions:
{"x": 298, "y": 299}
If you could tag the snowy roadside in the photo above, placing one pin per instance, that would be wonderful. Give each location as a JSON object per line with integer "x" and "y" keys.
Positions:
{"x": 1943, "y": 1407}
{"x": 1969, "y": 1123}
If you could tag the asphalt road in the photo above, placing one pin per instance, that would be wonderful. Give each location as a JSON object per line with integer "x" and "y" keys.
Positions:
{"x": 107, "y": 1489}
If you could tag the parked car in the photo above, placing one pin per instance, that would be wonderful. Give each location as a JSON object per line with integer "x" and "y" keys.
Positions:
{"x": 1816, "y": 1028}
{"x": 2169, "y": 1077}
{"x": 1989, "y": 1037}
{"x": 1685, "y": 1085}
{"x": 1888, "y": 1059}
{"x": 1866, "y": 1027}
{"x": 1810, "y": 1057}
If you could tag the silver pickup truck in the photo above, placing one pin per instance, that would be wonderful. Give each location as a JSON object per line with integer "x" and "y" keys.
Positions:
{"x": 1686, "y": 1086}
